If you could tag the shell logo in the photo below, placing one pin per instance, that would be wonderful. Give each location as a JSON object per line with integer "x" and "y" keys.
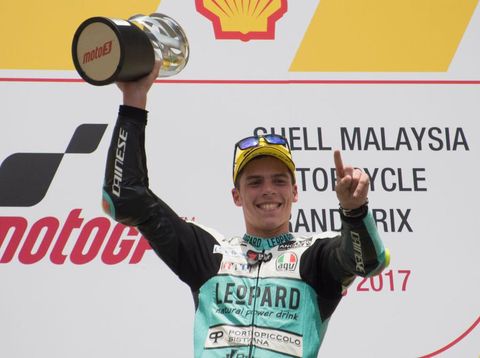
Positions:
{"x": 243, "y": 19}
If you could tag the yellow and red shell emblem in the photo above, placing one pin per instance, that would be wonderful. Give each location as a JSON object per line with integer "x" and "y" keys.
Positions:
{"x": 243, "y": 19}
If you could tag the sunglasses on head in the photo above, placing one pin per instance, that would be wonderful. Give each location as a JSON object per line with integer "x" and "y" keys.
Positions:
{"x": 254, "y": 141}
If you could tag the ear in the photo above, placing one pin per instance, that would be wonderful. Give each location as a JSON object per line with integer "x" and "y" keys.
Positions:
{"x": 295, "y": 193}
{"x": 236, "y": 197}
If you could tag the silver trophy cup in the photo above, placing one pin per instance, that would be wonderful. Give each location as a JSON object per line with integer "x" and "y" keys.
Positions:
{"x": 106, "y": 50}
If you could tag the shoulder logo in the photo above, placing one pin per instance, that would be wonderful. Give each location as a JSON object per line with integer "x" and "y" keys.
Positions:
{"x": 243, "y": 20}
{"x": 286, "y": 262}
{"x": 295, "y": 244}
{"x": 228, "y": 251}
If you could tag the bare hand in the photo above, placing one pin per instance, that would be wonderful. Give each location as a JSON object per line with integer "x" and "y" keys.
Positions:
{"x": 352, "y": 184}
{"x": 135, "y": 92}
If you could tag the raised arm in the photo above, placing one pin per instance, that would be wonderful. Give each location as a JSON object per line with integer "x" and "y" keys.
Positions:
{"x": 126, "y": 196}
{"x": 362, "y": 251}
{"x": 331, "y": 264}
{"x": 185, "y": 247}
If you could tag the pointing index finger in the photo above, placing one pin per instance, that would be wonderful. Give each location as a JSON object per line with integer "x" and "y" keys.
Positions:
{"x": 337, "y": 157}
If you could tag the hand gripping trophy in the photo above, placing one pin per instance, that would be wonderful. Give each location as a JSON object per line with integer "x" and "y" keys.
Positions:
{"x": 106, "y": 50}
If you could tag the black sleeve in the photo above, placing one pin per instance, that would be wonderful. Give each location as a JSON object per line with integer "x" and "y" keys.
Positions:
{"x": 185, "y": 247}
{"x": 331, "y": 263}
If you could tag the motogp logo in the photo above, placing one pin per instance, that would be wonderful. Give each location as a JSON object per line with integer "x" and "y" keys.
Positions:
{"x": 26, "y": 177}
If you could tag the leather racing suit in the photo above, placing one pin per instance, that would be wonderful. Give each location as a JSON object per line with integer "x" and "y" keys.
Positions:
{"x": 254, "y": 297}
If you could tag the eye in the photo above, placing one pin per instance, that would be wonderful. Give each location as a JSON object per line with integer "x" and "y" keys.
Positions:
{"x": 281, "y": 180}
{"x": 254, "y": 182}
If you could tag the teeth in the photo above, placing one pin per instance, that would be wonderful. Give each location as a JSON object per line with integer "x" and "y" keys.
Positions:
{"x": 268, "y": 206}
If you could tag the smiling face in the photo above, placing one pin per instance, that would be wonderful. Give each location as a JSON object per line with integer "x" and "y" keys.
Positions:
{"x": 265, "y": 192}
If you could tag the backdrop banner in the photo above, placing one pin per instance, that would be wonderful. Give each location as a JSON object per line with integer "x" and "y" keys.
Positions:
{"x": 394, "y": 85}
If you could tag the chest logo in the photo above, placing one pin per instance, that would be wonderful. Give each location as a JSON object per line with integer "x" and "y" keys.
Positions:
{"x": 254, "y": 257}
{"x": 286, "y": 262}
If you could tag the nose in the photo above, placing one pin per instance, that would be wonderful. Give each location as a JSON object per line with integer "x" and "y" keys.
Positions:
{"x": 268, "y": 188}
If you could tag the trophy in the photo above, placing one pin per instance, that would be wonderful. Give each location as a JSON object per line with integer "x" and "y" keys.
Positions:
{"x": 106, "y": 50}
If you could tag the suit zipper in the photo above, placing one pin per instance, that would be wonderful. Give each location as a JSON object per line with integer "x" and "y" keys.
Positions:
{"x": 254, "y": 308}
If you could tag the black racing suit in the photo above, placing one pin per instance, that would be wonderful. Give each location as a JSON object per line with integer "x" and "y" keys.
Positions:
{"x": 255, "y": 297}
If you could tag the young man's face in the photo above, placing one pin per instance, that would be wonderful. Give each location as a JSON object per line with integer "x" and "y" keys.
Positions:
{"x": 266, "y": 193}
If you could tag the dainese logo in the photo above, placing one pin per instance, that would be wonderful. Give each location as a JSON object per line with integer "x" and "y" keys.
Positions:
{"x": 243, "y": 19}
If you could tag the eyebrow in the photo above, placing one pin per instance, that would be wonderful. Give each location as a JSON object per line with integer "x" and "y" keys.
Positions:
{"x": 281, "y": 175}
{"x": 253, "y": 177}
{"x": 274, "y": 176}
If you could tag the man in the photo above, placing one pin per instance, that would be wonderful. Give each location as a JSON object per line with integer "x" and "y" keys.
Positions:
{"x": 267, "y": 293}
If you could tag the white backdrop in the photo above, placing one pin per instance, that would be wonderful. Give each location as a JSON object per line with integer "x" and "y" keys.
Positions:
{"x": 425, "y": 194}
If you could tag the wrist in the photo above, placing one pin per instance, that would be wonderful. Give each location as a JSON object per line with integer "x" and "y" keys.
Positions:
{"x": 137, "y": 114}
{"x": 138, "y": 101}
{"x": 355, "y": 212}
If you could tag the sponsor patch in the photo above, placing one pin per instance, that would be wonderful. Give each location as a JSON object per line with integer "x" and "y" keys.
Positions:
{"x": 295, "y": 244}
{"x": 279, "y": 341}
{"x": 228, "y": 251}
{"x": 286, "y": 262}
{"x": 236, "y": 266}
